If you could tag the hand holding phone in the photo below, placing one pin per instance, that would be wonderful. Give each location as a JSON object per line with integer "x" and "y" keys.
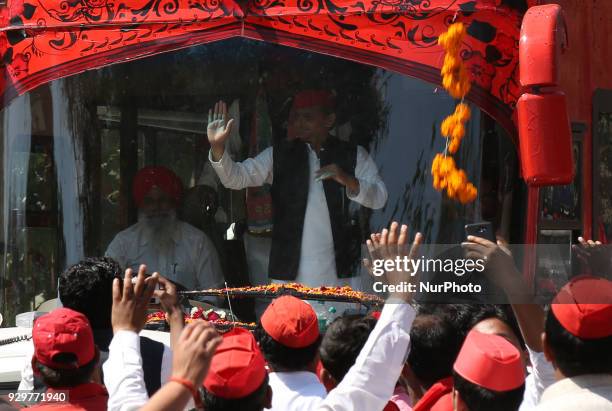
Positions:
{"x": 482, "y": 230}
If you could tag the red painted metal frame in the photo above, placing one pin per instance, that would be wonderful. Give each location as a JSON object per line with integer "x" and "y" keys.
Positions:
{"x": 43, "y": 41}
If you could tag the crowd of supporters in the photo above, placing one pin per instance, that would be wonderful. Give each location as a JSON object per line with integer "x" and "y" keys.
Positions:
{"x": 408, "y": 356}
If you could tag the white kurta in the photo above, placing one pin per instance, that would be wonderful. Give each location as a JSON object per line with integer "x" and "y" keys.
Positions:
{"x": 190, "y": 259}
{"x": 296, "y": 391}
{"x": 317, "y": 261}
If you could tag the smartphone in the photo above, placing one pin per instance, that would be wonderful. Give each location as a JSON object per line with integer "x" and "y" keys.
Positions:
{"x": 482, "y": 230}
{"x": 153, "y": 300}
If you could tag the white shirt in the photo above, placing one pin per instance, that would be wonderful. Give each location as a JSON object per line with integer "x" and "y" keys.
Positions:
{"x": 368, "y": 385}
{"x": 123, "y": 375}
{"x": 191, "y": 260}
{"x": 592, "y": 392}
{"x": 370, "y": 382}
{"x": 296, "y": 391}
{"x": 540, "y": 377}
{"x": 317, "y": 261}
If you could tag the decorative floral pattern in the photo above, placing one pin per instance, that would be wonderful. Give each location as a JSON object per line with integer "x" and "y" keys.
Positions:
{"x": 397, "y": 34}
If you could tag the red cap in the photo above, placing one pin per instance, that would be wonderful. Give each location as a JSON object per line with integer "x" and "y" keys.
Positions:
{"x": 490, "y": 361}
{"x": 238, "y": 367}
{"x": 291, "y": 322}
{"x": 584, "y": 307}
{"x": 314, "y": 98}
{"x": 63, "y": 331}
{"x": 439, "y": 397}
{"x": 375, "y": 315}
{"x": 160, "y": 177}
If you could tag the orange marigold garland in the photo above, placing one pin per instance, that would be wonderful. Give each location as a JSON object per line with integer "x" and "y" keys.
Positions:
{"x": 455, "y": 79}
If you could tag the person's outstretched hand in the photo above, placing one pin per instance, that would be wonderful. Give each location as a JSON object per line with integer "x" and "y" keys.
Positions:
{"x": 218, "y": 129}
{"x": 130, "y": 301}
{"x": 194, "y": 351}
{"x": 595, "y": 256}
{"x": 498, "y": 262}
{"x": 388, "y": 245}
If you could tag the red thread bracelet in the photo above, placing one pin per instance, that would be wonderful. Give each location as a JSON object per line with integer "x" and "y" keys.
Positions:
{"x": 189, "y": 385}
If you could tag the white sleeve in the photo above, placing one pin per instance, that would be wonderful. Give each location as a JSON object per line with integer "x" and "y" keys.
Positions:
{"x": 166, "y": 365}
{"x": 252, "y": 172}
{"x": 370, "y": 382}
{"x": 123, "y": 375}
{"x": 27, "y": 374}
{"x": 372, "y": 190}
{"x": 542, "y": 375}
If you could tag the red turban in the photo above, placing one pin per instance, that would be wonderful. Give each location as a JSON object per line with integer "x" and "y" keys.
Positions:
{"x": 160, "y": 177}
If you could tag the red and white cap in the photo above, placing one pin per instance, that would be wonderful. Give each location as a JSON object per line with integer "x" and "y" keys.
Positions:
{"x": 63, "y": 331}
{"x": 491, "y": 362}
{"x": 238, "y": 367}
{"x": 291, "y": 322}
{"x": 584, "y": 307}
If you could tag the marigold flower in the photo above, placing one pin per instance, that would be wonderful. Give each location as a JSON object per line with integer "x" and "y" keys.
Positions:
{"x": 462, "y": 111}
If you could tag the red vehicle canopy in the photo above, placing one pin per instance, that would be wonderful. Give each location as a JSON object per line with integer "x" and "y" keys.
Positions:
{"x": 47, "y": 39}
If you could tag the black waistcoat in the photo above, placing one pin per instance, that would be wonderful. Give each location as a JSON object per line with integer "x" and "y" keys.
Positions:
{"x": 290, "y": 195}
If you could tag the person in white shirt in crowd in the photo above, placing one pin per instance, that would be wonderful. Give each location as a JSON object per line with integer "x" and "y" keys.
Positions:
{"x": 194, "y": 346}
{"x": 165, "y": 244}
{"x": 86, "y": 287}
{"x": 288, "y": 335}
{"x": 489, "y": 374}
{"x": 314, "y": 178}
{"x": 501, "y": 269}
{"x": 578, "y": 341}
{"x": 368, "y": 385}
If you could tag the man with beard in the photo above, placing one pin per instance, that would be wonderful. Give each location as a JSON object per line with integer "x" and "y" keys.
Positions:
{"x": 177, "y": 250}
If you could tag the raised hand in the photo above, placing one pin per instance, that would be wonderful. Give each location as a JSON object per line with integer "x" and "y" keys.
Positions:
{"x": 218, "y": 129}
{"x": 130, "y": 301}
{"x": 595, "y": 256}
{"x": 388, "y": 245}
{"x": 498, "y": 262}
{"x": 194, "y": 351}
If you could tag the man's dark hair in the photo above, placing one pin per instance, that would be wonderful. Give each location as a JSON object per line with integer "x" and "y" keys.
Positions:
{"x": 252, "y": 402}
{"x": 283, "y": 358}
{"x": 477, "y": 398}
{"x": 87, "y": 287}
{"x": 343, "y": 340}
{"x": 502, "y": 312}
{"x": 434, "y": 346}
{"x": 66, "y": 378}
{"x": 577, "y": 356}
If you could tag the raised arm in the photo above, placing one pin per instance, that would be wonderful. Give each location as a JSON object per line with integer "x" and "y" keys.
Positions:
{"x": 252, "y": 172}
{"x": 370, "y": 382}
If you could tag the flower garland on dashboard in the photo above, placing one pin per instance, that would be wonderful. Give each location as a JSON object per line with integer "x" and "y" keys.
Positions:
{"x": 456, "y": 81}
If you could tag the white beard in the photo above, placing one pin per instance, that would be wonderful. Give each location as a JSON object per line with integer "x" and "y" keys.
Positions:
{"x": 159, "y": 230}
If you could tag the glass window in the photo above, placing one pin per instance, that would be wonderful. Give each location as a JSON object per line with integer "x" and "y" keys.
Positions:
{"x": 73, "y": 151}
